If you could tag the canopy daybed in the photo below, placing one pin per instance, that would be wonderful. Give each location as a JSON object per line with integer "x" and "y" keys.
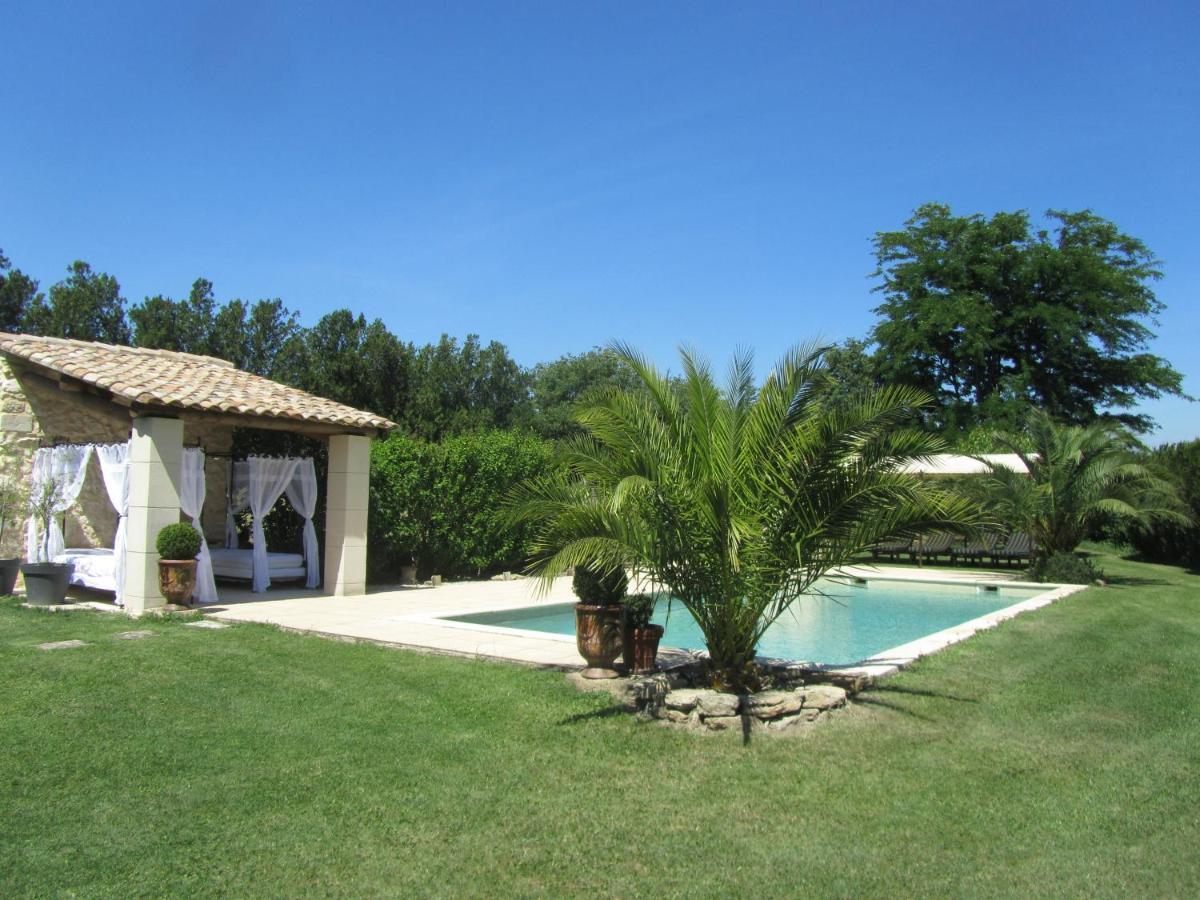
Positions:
{"x": 100, "y": 568}
{"x": 256, "y": 484}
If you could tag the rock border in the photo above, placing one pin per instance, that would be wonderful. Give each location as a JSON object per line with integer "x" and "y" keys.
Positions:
{"x": 797, "y": 695}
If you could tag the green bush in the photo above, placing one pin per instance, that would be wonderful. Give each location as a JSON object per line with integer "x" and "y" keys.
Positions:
{"x": 639, "y": 608}
{"x": 599, "y": 589}
{"x": 1168, "y": 542}
{"x": 441, "y": 506}
{"x": 178, "y": 541}
{"x": 1065, "y": 568}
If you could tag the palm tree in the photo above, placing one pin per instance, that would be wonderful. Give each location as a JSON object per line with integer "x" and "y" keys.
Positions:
{"x": 1078, "y": 476}
{"x": 734, "y": 500}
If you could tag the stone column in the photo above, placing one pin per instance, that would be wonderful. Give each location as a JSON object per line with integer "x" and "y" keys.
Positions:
{"x": 346, "y": 514}
{"x": 155, "y": 471}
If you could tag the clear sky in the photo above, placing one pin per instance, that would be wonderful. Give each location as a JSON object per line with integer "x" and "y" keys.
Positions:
{"x": 553, "y": 175}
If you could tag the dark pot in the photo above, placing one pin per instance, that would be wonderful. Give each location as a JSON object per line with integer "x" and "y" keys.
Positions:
{"x": 177, "y": 580}
{"x": 46, "y": 583}
{"x": 598, "y": 637}
{"x": 641, "y": 648}
{"x": 9, "y": 570}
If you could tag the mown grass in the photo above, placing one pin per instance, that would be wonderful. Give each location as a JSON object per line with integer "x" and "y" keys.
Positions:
{"x": 1058, "y": 754}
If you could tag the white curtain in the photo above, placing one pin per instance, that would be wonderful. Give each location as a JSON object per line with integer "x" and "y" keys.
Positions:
{"x": 268, "y": 479}
{"x": 191, "y": 503}
{"x": 302, "y": 494}
{"x": 114, "y": 467}
{"x": 66, "y": 465}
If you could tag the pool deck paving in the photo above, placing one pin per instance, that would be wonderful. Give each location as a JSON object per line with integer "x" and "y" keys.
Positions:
{"x": 413, "y": 617}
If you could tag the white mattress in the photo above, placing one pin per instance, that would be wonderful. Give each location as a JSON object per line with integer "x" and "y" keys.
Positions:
{"x": 90, "y": 568}
{"x": 229, "y": 563}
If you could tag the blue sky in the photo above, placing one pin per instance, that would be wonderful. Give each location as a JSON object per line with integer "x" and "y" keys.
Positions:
{"x": 553, "y": 175}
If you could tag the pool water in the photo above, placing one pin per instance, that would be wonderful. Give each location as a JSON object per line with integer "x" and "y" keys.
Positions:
{"x": 836, "y": 623}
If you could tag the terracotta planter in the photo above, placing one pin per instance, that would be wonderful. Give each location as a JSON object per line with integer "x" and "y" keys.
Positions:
{"x": 9, "y": 570}
{"x": 46, "y": 583}
{"x": 598, "y": 637}
{"x": 641, "y": 648}
{"x": 177, "y": 580}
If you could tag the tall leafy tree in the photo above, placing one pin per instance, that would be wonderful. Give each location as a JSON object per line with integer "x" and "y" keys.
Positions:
{"x": 253, "y": 336}
{"x": 734, "y": 499}
{"x": 468, "y": 387}
{"x": 348, "y": 359}
{"x": 17, "y": 293}
{"x": 182, "y": 325}
{"x": 559, "y": 387}
{"x": 1078, "y": 477}
{"x": 86, "y": 305}
{"x": 989, "y": 315}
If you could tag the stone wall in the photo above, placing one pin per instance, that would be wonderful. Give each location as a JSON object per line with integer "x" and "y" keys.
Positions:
{"x": 795, "y": 695}
{"x": 34, "y": 412}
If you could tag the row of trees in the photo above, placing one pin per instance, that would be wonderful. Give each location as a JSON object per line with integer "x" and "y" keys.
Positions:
{"x": 987, "y": 315}
{"x": 435, "y": 391}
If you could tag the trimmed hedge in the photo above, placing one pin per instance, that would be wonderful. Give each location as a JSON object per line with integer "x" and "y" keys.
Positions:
{"x": 439, "y": 506}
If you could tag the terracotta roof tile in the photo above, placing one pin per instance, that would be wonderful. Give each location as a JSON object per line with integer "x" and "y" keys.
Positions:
{"x": 182, "y": 381}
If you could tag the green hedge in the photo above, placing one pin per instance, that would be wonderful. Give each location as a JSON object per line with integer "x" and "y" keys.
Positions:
{"x": 439, "y": 505}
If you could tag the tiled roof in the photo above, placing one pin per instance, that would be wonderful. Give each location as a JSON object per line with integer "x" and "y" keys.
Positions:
{"x": 163, "y": 378}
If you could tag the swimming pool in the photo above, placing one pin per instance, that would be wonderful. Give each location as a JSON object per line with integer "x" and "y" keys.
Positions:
{"x": 838, "y": 623}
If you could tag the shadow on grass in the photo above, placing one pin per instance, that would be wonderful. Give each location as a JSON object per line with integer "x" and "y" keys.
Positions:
{"x": 606, "y": 712}
{"x": 1135, "y": 581}
{"x": 873, "y": 698}
{"x": 868, "y": 700}
{"x": 918, "y": 692}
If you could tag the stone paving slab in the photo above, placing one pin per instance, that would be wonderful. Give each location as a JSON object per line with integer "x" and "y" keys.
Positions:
{"x": 62, "y": 645}
{"x": 136, "y": 635}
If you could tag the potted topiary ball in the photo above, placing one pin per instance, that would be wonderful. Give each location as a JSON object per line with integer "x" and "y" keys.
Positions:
{"x": 598, "y": 619}
{"x": 640, "y": 636}
{"x": 177, "y": 546}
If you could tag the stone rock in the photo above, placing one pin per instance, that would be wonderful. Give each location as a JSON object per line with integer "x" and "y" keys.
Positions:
{"x": 823, "y": 696}
{"x": 135, "y": 635}
{"x": 684, "y": 700}
{"x": 61, "y": 645}
{"x": 715, "y": 703}
{"x": 676, "y": 715}
{"x": 773, "y": 704}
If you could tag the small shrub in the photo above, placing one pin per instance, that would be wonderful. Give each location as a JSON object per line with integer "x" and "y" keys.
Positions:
{"x": 599, "y": 589}
{"x": 1065, "y": 568}
{"x": 179, "y": 541}
{"x": 638, "y": 610}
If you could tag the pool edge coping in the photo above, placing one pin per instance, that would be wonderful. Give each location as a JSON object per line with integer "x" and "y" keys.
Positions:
{"x": 885, "y": 663}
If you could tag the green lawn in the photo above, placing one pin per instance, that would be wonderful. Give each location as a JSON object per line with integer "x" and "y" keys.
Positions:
{"x": 1057, "y": 754}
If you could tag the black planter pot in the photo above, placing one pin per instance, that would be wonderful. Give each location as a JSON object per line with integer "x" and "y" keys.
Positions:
{"x": 9, "y": 570}
{"x": 46, "y": 583}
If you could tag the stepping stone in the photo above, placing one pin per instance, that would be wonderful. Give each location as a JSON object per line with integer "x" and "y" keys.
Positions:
{"x": 61, "y": 645}
{"x": 135, "y": 635}
{"x": 207, "y": 623}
